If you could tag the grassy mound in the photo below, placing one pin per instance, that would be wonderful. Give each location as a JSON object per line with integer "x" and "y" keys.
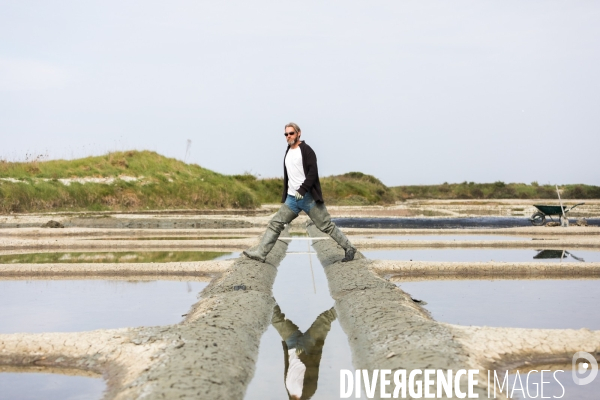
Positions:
{"x": 353, "y": 188}
{"x": 139, "y": 180}
{"x": 161, "y": 183}
{"x": 356, "y": 188}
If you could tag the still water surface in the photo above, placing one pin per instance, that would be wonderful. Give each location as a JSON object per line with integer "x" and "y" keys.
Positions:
{"x": 483, "y": 255}
{"x": 84, "y": 305}
{"x": 547, "y": 303}
{"x": 302, "y": 299}
{"x": 37, "y": 386}
{"x": 444, "y": 237}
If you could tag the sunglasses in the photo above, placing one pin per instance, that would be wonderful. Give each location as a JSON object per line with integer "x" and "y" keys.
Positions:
{"x": 289, "y": 134}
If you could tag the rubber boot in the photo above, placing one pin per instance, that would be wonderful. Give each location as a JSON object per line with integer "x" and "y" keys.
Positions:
{"x": 342, "y": 240}
{"x": 284, "y": 216}
{"x": 322, "y": 220}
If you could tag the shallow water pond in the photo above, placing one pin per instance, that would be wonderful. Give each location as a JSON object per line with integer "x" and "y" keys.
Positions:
{"x": 83, "y": 305}
{"x": 484, "y": 255}
{"x": 442, "y": 223}
{"x": 115, "y": 257}
{"x": 303, "y": 296}
{"x": 548, "y": 303}
{"x": 174, "y": 238}
{"x": 35, "y": 386}
{"x": 444, "y": 237}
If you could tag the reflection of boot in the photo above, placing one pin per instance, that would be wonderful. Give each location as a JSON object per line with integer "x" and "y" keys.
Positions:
{"x": 319, "y": 215}
{"x": 284, "y": 216}
{"x": 285, "y": 327}
{"x": 312, "y": 342}
{"x": 314, "y": 337}
{"x": 329, "y": 315}
{"x": 278, "y": 316}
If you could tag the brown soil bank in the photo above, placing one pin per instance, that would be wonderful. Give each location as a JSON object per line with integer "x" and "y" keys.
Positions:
{"x": 474, "y": 270}
{"x": 107, "y": 222}
{"x": 203, "y": 270}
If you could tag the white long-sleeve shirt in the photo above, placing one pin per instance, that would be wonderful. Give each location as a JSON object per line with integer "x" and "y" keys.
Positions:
{"x": 295, "y": 170}
{"x": 294, "y": 381}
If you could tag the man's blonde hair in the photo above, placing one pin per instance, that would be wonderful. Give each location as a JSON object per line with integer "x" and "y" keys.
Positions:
{"x": 294, "y": 126}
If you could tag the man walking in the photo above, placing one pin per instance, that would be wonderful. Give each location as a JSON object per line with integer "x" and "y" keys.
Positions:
{"x": 301, "y": 191}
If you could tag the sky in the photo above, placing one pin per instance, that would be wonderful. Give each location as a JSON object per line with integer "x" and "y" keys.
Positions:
{"x": 412, "y": 92}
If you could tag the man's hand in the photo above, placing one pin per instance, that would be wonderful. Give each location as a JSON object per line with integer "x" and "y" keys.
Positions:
{"x": 299, "y": 196}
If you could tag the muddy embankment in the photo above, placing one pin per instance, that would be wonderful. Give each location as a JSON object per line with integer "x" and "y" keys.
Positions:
{"x": 108, "y": 222}
{"x": 426, "y": 270}
{"x": 194, "y": 270}
{"x": 386, "y": 329}
{"x": 173, "y": 219}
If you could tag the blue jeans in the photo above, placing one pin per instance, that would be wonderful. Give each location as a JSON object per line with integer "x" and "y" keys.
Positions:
{"x": 304, "y": 204}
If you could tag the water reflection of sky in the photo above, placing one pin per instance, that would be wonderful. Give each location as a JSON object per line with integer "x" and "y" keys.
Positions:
{"x": 295, "y": 293}
{"x": 35, "y": 386}
{"x": 482, "y": 255}
{"x": 548, "y": 303}
{"x": 83, "y": 305}
{"x": 442, "y": 237}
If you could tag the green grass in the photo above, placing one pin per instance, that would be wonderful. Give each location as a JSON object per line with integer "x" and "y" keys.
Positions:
{"x": 353, "y": 188}
{"x": 167, "y": 183}
{"x": 497, "y": 190}
{"x": 356, "y": 188}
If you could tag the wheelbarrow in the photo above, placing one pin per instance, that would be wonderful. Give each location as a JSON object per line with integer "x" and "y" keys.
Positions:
{"x": 545, "y": 254}
{"x": 539, "y": 217}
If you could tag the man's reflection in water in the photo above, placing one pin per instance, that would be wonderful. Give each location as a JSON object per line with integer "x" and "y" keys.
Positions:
{"x": 302, "y": 352}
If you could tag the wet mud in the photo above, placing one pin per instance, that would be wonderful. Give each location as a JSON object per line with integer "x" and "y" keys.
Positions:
{"x": 138, "y": 223}
{"x": 216, "y": 219}
{"x": 385, "y": 327}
